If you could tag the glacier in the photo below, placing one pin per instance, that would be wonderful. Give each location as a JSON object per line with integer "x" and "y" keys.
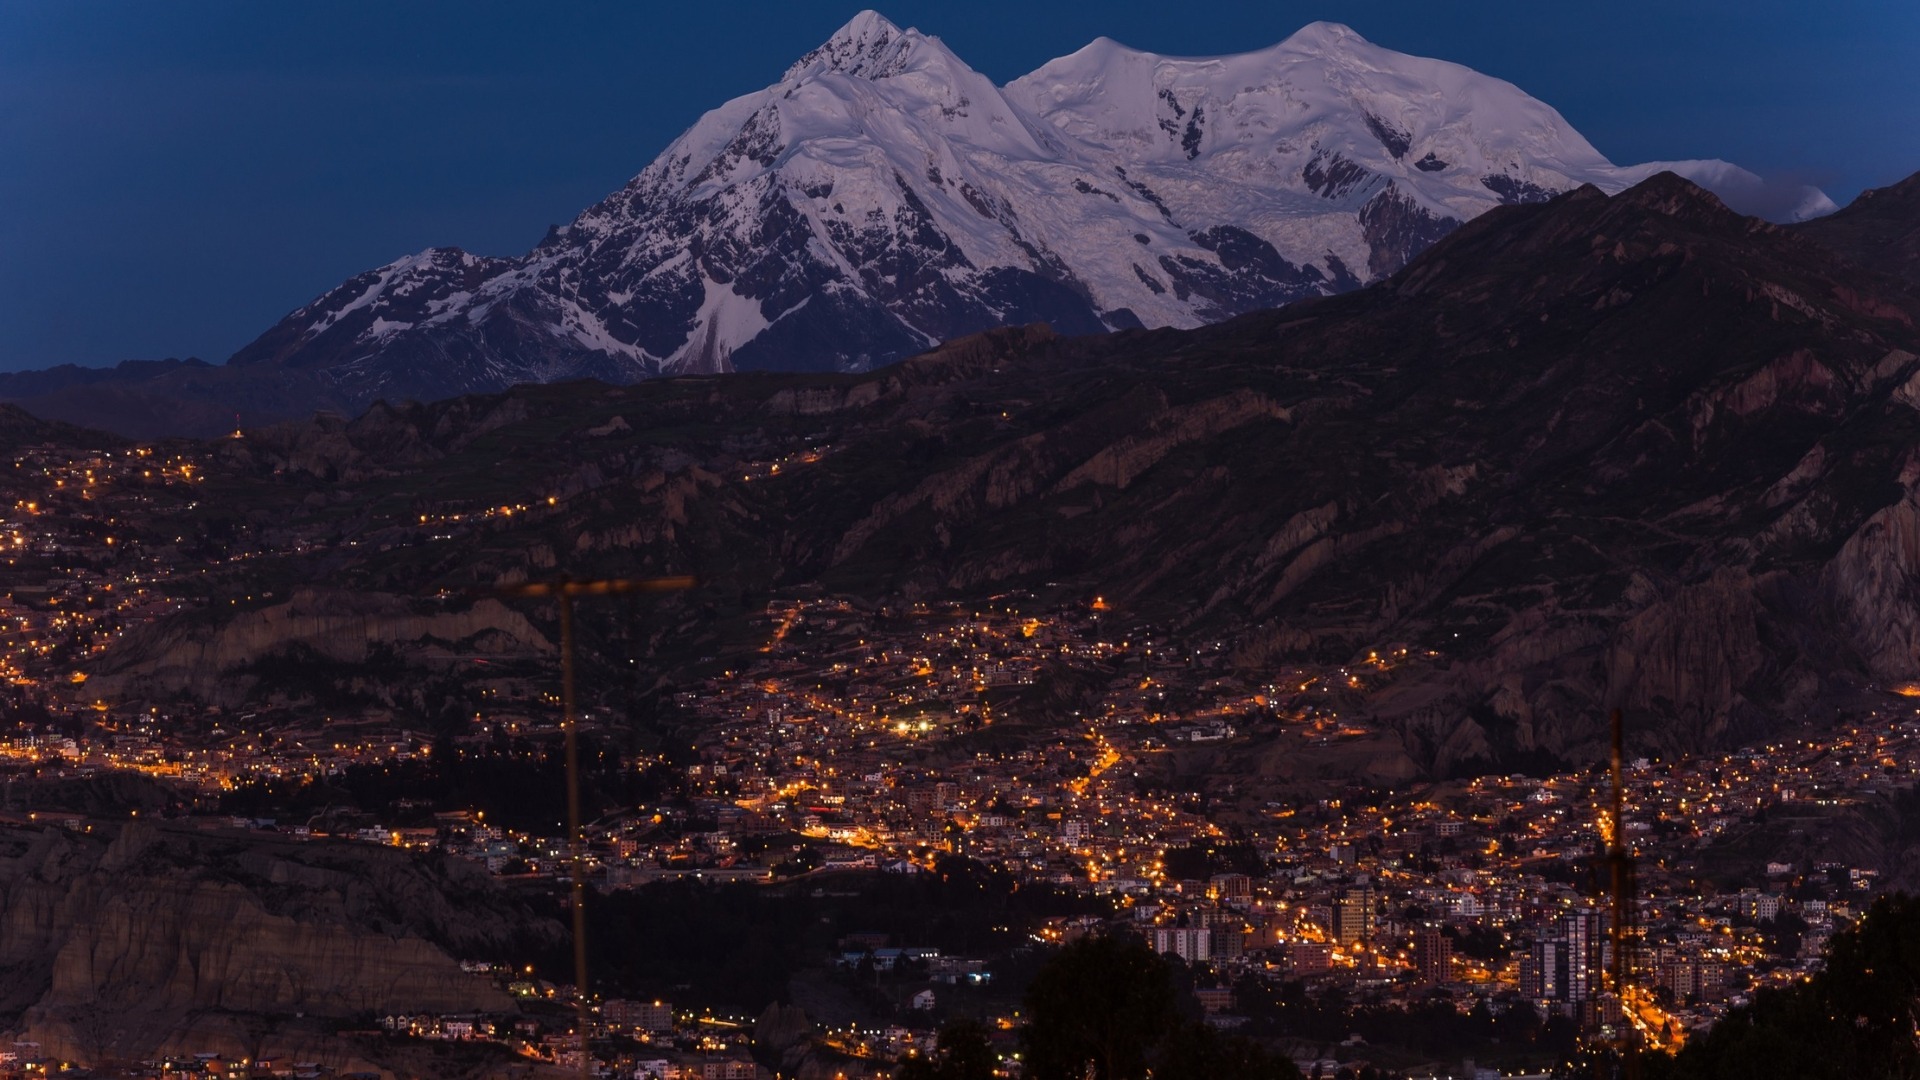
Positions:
{"x": 882, "y": 197}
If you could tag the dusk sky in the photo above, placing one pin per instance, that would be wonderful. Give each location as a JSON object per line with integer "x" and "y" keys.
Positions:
{"x": 175, "y": 177}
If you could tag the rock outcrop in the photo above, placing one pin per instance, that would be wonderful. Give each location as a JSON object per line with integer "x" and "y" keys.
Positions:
{"x": 133, "y": 941}
{"x": 206, "y": 659}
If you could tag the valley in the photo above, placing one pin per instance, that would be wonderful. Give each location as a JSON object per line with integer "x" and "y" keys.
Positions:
{"x": 1282, "y": 640}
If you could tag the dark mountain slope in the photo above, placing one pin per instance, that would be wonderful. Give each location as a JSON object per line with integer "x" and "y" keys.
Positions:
{"x": 145, "y": 401}
{"x": 1635, "y": 451}
{"x": 19, "y": 428}
{"x": 1879, "y": 230}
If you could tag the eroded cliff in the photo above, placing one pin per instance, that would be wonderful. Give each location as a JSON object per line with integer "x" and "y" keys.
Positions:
{"x": 131, "y": 941}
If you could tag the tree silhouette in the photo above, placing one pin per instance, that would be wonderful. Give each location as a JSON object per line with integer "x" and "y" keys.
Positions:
{"x": 1097, "y": 1011}
{"x": 963, "y": 1052}
{"x": 1196, "y": 1051}
{"x": 1858, "y": 1017}
{"x": 1106, "y": 1008}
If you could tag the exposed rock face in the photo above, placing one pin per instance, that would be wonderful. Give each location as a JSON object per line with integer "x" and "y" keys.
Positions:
{"x": 1876, "y": 579}
{"x": 202, "y": 659}
{"x": 1689, "y": 655}
{"x": 783, "y": 1040}
{"x": 781, "y": 1028}
{"x": 1397, "y": 228}
{"x": 159, "y": 941}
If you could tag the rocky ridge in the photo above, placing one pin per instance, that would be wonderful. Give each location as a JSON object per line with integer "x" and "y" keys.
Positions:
{"x": 1877, "y": 230}
{"x": 1635, "y": 451}
{"x": 205, "y": 660}
{"x": 135, "y": 941}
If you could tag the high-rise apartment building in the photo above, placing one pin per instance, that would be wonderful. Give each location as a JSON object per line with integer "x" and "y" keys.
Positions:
{"x": 1433, "y": 955}
{"x": 1353, "y": 915}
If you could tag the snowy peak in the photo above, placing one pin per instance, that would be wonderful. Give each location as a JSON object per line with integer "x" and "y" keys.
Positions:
{"x": 869, "y": 46}
{"x": 882, "y": 197}
{"x": 1323, "y": 38}
{"x": 872, "y": 92}
{"x": 1324, "y": 89}
{"x": 870, "y": 68}
{"x": 868, "y": 25}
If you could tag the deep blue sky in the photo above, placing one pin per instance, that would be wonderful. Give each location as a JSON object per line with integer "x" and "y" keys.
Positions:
{"x": 176, "y": 176}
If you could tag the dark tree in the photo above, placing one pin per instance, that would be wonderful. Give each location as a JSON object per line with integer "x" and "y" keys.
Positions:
{"x": 1856, "y": 1018}
{"x": 1195, "y": 1051}
{"x": 963, "y": 1052}
{"x": 1097, "y": 1011}
{"x": 1108, "y": 1008}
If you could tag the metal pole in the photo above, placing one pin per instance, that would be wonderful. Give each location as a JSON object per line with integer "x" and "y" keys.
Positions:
{"x": 576, "y": 848}
{"x": 564, "y": 590}
{"x": 1621, "y": 865}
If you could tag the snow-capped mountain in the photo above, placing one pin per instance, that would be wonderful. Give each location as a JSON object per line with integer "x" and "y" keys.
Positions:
{"x": 882, "y": 197}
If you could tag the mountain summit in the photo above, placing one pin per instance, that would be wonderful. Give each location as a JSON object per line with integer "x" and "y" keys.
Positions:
{"x": 883, "y": 197}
